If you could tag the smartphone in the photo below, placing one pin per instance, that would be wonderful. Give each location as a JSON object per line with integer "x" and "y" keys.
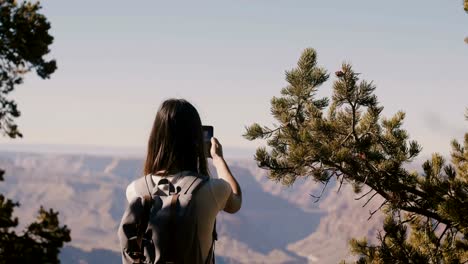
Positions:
{"x": 207, "y": 135}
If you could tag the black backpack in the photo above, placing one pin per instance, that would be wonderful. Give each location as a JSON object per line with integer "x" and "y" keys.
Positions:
{"x": 162, "y": 227}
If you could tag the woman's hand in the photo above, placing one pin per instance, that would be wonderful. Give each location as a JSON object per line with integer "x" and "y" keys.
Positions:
{"x": 216, "y": 150}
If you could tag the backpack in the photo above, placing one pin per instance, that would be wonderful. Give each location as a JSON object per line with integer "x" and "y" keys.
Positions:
{"x": 162, "y": 227}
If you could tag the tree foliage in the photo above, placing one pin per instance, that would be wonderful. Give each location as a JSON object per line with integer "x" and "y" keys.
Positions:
{"x": 345, "y": 137}
{"x": 24, "y": 41}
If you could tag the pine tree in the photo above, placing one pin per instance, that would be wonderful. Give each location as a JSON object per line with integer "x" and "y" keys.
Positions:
{"x": 24, "y": 41}
{"x": 345, "y": 137}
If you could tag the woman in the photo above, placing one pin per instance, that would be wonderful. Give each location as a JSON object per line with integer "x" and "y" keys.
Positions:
{"x": 176, "y": 148}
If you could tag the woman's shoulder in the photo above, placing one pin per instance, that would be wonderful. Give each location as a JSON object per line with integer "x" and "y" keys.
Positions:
{"x": 217, "y": 190}
{"x": 219, "y": 187}
{"x": 136, "y": 188}
{"x": 218, "y": 182}
{"x": 130, "y": 192}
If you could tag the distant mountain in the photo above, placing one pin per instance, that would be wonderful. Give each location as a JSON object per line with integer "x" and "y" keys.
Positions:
{"x": 73, "y": 255}
{"x": 276, "y": 224}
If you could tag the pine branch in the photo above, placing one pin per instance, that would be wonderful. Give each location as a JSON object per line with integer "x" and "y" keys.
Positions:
{"x": 362, "y": 196}
{"x": 376, "y": 210}
{"x": 368, "y": 200}
{"x": 320, "y": 195}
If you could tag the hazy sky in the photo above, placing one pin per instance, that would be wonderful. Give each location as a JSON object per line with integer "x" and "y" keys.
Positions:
{"x": 118, "y": 60}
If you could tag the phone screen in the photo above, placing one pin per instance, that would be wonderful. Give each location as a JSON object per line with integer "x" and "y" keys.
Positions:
{"x": 207, "y": 135}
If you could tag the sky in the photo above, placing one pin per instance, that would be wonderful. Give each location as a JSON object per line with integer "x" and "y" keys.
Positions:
{"x": 118, "y": 60}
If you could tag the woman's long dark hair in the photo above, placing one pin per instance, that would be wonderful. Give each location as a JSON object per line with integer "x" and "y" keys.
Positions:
{"x": 176, "y": 140}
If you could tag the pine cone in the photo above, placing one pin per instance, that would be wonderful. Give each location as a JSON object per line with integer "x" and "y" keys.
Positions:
{"x": 339, "y": 74}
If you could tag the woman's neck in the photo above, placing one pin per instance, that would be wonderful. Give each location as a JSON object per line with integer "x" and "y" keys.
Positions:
{"x": 161, "y": 173}
{"x": 170, "y": 172}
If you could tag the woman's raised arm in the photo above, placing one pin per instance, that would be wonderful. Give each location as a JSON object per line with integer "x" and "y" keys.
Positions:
{"x": 234, "y": 201}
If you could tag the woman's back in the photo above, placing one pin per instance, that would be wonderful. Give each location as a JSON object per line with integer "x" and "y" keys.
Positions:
{"x": 210, "y": 199}
{"x": 177, "y": 144}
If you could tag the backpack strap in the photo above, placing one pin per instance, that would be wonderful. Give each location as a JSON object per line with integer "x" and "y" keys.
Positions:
{"x": 146, "y": 202}
{"x": 148, "y": 185}
{"x": 195, "y": 184}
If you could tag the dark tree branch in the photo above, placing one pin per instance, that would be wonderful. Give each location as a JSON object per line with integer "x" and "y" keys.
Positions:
{"x": 376, "y": 210}
{"x": 362, "y": 196}
{"x": 368, "y": 200}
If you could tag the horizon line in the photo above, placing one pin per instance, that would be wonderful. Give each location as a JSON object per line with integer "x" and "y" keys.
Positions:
{"x": 102, "y": 150}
